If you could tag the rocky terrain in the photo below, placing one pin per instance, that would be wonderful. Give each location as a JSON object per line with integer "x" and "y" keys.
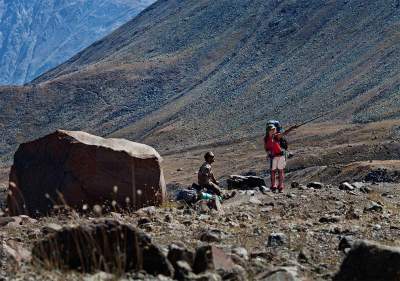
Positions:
{"x": 304, "y": 233}
{"x": 36, "y": 36}
{"x": 169, "y": 76}
{"x": 193, "y": 76}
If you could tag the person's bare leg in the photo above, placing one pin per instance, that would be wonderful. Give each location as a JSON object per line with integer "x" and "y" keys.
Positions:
{"x": 281, "y": 185}
{"x": 273, "y": 180}
{"x": 214, "y": 189}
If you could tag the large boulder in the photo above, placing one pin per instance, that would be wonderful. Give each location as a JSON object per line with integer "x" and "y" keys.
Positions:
{"x": 105, "y": 245}
{"x": 78, "y": 169}
{"x": 245, "y": 182}
{"x": 368, "y": 261}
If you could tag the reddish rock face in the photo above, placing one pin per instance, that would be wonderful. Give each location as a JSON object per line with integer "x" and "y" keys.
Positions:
{"x": 76, "y": 168}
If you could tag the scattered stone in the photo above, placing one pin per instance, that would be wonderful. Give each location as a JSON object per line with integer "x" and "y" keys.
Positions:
{"x": 353, "y": 214}
{"x": 76, "y": 169}
{"x": 346, "y": 186}
{"x": 291, "y": 195}
{"x": 329, "y": 219}
{"x": 212, "y": 235}
{"x": 21, "y": 220}
{"x": 14, "y": 252}
{"x": 346, "y": 242}
{"x": 105, "y": 245}
{"x": 241, "y": 252}
{"x": 367, "y": 261}
{"x": 168, "y": 218}
{"x": 255, "y": 201}
{"x": 6, "y": 220}
{"x": 245, "y": 182}
{"x": 264, "y": 189}
{"x": 377, "y": 227}
{"x": 304, "y": 256}
{"x": 266, "y": 209}
{"x": 237, "y": 273}
{"x": 294, "y": 184}
{"x": 207, "y": 276}
{"x": 279, "y": 274}
{"x": 276, "y": 239}
{"x": 181, "y": 259}
{"x": 51, "y": 228}
{"x": 358, "y": 184}
{"x": 143, "y": 221}
{"x": 366, "y": 189}
{"x": 182, "y": 270}
{"x": 211, "y": 258}
{"x": 374, "y": 207}
{"x": 315, "y": 185}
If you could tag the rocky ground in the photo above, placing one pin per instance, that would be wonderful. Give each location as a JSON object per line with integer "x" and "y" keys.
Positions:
{"x": 299, "y": 230}
{"x": 303, "y": 233}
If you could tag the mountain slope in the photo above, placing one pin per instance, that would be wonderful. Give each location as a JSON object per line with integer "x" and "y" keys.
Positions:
{"x": 36, "y": 36}
{"x": 184, "y": 73}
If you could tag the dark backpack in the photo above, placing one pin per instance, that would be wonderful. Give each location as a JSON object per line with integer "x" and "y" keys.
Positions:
{"x": 279, "y": 129}
{"x": 187, "y": 195}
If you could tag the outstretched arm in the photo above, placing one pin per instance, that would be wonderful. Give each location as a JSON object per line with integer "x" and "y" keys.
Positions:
{"x": 290, "y": 129}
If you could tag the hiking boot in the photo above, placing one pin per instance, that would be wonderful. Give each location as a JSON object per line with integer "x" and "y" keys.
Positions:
{"x": 274, "y": 189}
{"x": 280, "y": 190}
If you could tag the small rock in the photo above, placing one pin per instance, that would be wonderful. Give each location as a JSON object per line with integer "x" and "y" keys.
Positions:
{"x": 370, "y": 261}
{"x": 366, "y": 189}
{"x": 211, "y": 258}
{"x": 212, "y": 235}
{"x": 374, "y": 207}
{"x": 182, "y": 270}
{"x": 149, "y": 211}
{"x": 377, "y": 227}
{"x": 346, "y": 242}
{"x": 168, "y": 218}
{"x": 329, "y": 219}
{"x": 358, "y": 184}
{"x": 346, "y": 186}
{"x": 304, "y": 256}
{"x": 255, "y": 201}
{"x": 51, "y": 228}
{"x": 291, "y": 195}
{"x": 181, "y": 259}
{"x": 276, "y": 239}
{"x": 353, "y": 214}
{"x": 294, "y": 184}
{"x": 279, "y": 274}
{"x": 6, "y": 220}
{"x": 315, "y": 185}
{"x": 14, "y": 252}
{"x": 266, "y": 209}
{"x": 264, "y": 189}
{"x": 237, "y": 273}
{"x": 241, "y": 252}
{"x": 21, "y": 220}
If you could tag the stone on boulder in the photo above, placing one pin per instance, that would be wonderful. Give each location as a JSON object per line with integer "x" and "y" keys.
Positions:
{"x": 368, "y": 261}
{"x": 79, "y": 170}
{"x": 105, "y": 245}
{"x": 245, "y": 182}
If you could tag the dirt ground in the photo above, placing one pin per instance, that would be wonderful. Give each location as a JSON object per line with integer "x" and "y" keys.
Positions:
{"x": 313, "y": 220}
{"x": 313, "y": 145}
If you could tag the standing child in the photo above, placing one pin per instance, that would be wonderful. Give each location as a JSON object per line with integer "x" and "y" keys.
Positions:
{"x": 272, "y": 145}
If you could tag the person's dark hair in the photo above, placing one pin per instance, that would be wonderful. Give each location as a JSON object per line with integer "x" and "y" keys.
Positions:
{"x": 208, "y": 155}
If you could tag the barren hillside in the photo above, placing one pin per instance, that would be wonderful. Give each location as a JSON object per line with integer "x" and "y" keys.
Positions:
{"x": 190, "y": 72}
